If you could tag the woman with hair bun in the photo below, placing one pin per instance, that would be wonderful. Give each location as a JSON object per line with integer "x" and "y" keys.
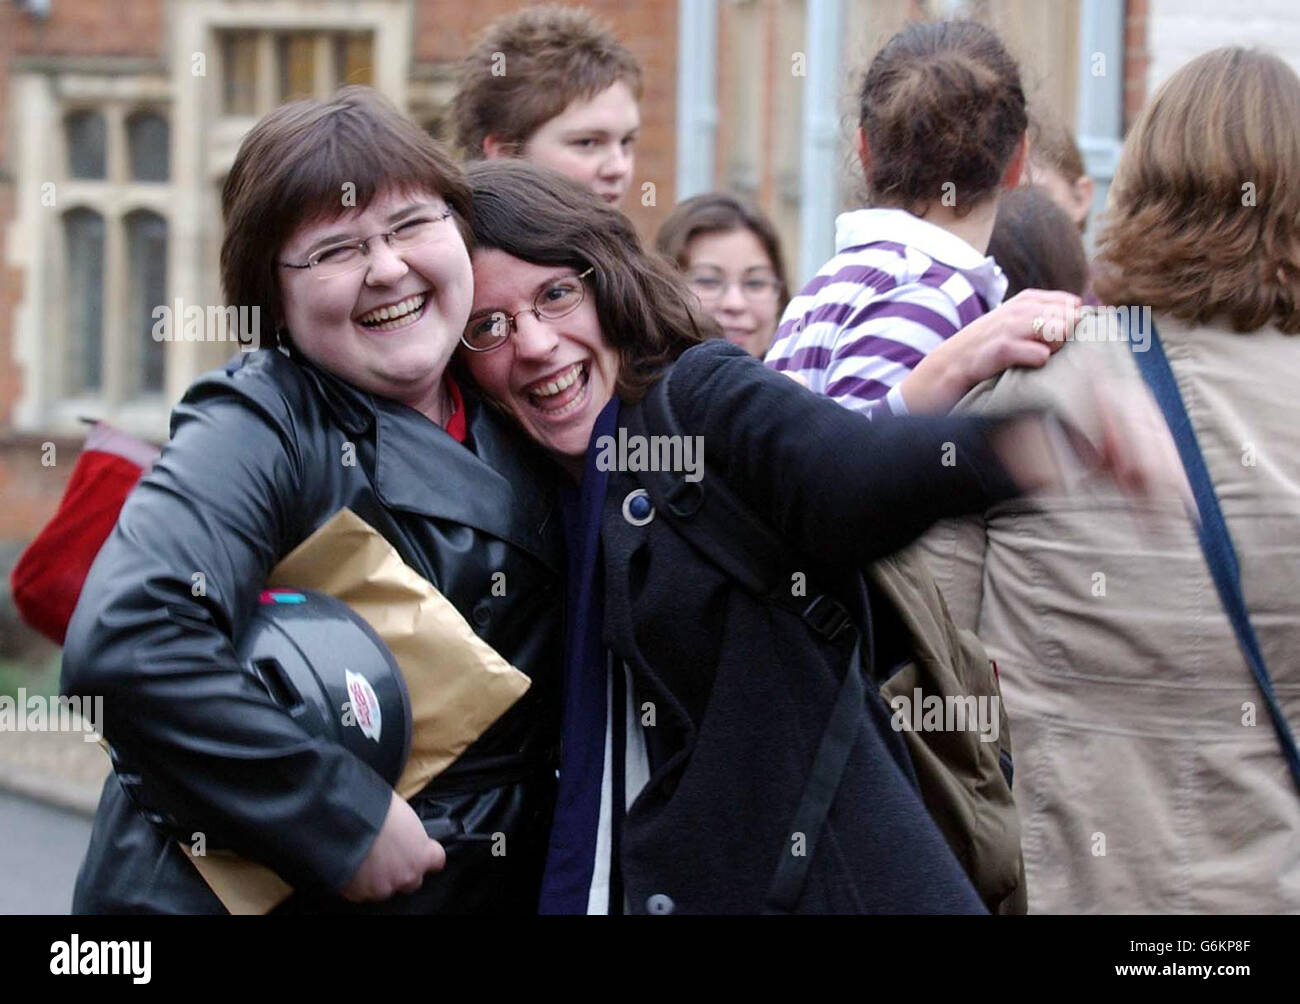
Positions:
{"x": 908, "y": 315}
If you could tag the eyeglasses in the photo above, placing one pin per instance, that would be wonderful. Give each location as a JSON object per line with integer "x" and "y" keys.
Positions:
{"x": 346, "y": 257}
{"x": 555, "y": 300}
{"x": 712, "y": 286}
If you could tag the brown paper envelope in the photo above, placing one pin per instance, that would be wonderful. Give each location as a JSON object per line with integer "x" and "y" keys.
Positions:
{"x": 458, "y": 684}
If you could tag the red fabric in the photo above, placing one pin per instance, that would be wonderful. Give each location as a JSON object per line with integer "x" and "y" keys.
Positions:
{"x": 456, "y": 424}
{"x": 48, "y": 578}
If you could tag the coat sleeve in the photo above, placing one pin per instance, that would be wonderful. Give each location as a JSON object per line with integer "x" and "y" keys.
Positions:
{"x": 844, "y": 490}
{"x": 153, "y": 633}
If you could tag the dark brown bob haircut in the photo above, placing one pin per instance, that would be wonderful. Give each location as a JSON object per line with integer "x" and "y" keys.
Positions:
{"x": 1203, "y": 219}
{"x": 528, "y": 67}
{"x": 646, "y": 312}
{"x": 720, "y": 213}
{"x": 318, "y": 160}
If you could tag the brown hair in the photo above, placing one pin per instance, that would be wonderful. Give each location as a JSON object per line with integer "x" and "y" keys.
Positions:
{"x": 528, "y": 67}
{"x": 1051, "y": 144}
{"x": 941, "y": 102}
{"x": 295, "y": 166}
{"x": 535, "y": 214}
{"x": 719, "y": 213}
{"x": 1203, "y": 220}
{"x": 1036, "y": 244}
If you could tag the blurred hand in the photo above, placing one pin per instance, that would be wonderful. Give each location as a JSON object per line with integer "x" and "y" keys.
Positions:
{"x": 1136, "y": 449}
{"x": 1132, "y": 446}
{"x": 990, "y": 345}
{"x": 400, "y": 857}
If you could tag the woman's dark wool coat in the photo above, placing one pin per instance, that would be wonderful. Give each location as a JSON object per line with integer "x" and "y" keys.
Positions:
{"x": 741, "y": 690}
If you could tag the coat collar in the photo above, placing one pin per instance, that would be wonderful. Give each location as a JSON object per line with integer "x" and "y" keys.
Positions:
{"x": 496, "y": 481}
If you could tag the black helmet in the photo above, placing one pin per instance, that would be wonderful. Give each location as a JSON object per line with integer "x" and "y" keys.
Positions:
{"x": 322, "y": 663}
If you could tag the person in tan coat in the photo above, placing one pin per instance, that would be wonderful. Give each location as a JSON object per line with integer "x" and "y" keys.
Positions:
{"x": 1148, "y": 773}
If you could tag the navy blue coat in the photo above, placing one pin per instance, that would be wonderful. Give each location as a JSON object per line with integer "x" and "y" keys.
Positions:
{"x": 742, "y": 689}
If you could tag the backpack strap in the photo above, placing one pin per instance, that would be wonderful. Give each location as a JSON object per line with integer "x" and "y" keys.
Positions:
{"x": 1216, "y": 542}
{"x": 726, "y": 530}
{"x": 717, "y": 523}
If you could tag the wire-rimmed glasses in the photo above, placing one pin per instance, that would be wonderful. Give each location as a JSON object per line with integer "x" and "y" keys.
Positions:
{"x": 419, "y": 228}
{"x": 556, "y": 299}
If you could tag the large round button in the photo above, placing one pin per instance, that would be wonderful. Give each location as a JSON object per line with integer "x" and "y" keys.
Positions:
{"x": 482, "y": 612}
{"x": 660, "y": 904}
{"x": 637, "y": 508}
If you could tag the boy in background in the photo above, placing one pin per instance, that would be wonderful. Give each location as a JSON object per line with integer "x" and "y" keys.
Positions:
{"x": 553, "y": 85}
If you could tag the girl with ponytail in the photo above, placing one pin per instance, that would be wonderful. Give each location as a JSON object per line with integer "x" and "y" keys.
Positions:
{"x": 908, "y": 315}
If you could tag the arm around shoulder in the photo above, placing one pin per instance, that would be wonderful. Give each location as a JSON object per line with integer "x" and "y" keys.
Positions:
{"x": 841, "y": 488}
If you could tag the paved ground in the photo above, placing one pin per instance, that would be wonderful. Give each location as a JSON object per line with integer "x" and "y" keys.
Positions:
{"x": 40, "y": 851}
{"x": 49, "y": 785}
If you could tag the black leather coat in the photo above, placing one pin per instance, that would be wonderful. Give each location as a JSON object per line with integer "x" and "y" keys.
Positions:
{"x": 258, "y": 459}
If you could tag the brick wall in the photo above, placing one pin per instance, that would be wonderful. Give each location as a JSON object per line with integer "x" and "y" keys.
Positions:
{"x": 10, "y": 280}
{"x": 1137, "y": 58}
{"x": 93, "y": 28}
{"x": 31, "y": 491}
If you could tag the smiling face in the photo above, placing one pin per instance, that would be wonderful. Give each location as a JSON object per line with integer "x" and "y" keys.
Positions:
{"x": 389, "y": 325}
{"x": 593, "y": 142}
{"x": 734, "y": 278}
{"x": 552, "y": 376}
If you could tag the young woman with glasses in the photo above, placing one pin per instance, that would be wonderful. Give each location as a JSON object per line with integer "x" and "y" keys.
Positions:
{"x": 710, "y": 702}
{"x": 731, "y": 255}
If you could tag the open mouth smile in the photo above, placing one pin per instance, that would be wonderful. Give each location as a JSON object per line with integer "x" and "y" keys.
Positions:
{"x": 560, "y": 394}
{"x": 395, "y": 315}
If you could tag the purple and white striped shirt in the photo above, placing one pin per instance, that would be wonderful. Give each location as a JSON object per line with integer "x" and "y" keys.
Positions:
{"x": 896, "y": 288}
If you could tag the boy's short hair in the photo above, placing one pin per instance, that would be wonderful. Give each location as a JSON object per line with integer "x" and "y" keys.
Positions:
{"x": 528, "y": 67}
{"x": 1052, "y": 144}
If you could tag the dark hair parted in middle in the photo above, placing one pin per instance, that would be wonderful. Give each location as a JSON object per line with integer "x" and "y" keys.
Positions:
{"x": 646, "y": 312}
{"x": 718, "y": 213}
{"x": 1036, "y": 244}
{"x": 941, "y": 102}
{"x": 317, "y": 160}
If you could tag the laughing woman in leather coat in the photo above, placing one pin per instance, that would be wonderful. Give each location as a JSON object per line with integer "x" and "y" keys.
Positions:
{"x": 366, "y": 300}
